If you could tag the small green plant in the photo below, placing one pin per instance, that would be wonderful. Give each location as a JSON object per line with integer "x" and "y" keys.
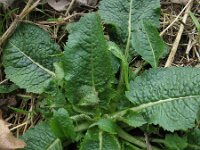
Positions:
{"x": 81, "y": 98}
{"x": 197, "y": 24}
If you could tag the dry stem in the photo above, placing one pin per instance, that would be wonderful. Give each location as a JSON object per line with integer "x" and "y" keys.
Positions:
{"x": 179, "y": 35}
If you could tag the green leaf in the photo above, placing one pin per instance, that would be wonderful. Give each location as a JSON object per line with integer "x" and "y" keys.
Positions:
{"x": 175, "y": 142}
{"x": 194, "y": 140}
{"x": 148, "y": 43}
{"x": 4, "y": 89}
{"x": 169, "y": 97}
{"x": 195, "y": 20}
{"x": 134, "y": 119}
{"x": 87, "y": 61}
{"x": 128, "y": 17}
{"x": 62, "y": 125}
{"x": 119, "y": 12}
{"x": 117, "y": 52}
{"x": 28, "y": 59}
{"x": 107, "y": 125}
{"x": 41, "y": 138}
{"x": 99, "y": 140}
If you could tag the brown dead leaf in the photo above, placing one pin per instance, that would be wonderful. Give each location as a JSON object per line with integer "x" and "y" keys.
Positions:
{"x": 92, "y": 2}
{"x": 6, "y": 2}
{"x": 184, "y": 2}
{"x": 87, "y": 2}
{"x": 7, "y": 140}
{"x": 59, "y": 5}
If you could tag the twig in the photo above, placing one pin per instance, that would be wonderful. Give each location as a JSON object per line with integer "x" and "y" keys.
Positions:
{"x": 189, "y": 46}
{"x": 149, "y": 147}
{"x": 28, "y": 8}
{"x": 176, "y": 19}
{"x": 70, "y": 7}
{"x": 179, "y": 35}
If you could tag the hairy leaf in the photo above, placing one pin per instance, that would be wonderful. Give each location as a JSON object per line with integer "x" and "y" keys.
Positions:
{"x": 128, "y": 17}
{"x": 62, "y": 125}
{"x": 87, "y": 61}
{"x": 28, "y": 59}
{"x": 99, "y": 140}
{"x": 41, "y": 138}
{"x": 169, "y": 97}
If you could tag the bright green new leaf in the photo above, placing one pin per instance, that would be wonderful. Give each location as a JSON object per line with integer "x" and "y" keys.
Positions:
{"x": 62, "y": 125}
{"x": 27, "y": 58}
{"x": 107, "y": 125}
{"x": 169, "y": 97}
{"x": 99, "y": 140}
{"x": 87, "y": 61}
{"x": 134, "y": 119}
{"x": 128, "y": 17}
{"x": 196, "y": 22}
{"x": 41, "y": 138}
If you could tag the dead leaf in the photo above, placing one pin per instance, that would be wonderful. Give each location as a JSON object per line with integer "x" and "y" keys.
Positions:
{"x": 6, "y": 2}
{"x": 184, "y": 2}
{"x": 92, "y": 2}
{"x": 59, "y": 5}
{"x": 87, "y": 2}
{"x": 7, "y": 140}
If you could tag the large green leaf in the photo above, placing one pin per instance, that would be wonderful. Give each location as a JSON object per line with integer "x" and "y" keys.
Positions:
{"x": 99, "y": 140}
{"x": 128, "y": 17}
{"x": 169, "y": 97}
{"x": 62, "y": 125}
{"x": 87, "y": 61}
{"x": 27, "y": 58}
{"x": 41, "y": 138}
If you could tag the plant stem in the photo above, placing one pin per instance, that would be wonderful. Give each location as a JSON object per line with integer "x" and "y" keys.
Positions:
{"x": 82, "y": 127}
{"x": 124, "y": 135}
{"x": 123, "y": 72}
{"x": 129, "y": 30}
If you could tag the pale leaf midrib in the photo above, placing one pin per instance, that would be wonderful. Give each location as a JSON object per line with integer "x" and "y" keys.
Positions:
{"x": 53, "y": 144}
{"x": 100, "y": 140}
{"x": 155, "y": 63}
{"x": 34, "y": 62}
{"x": 129, "y": 29}
{"x": 151, "y": 104}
